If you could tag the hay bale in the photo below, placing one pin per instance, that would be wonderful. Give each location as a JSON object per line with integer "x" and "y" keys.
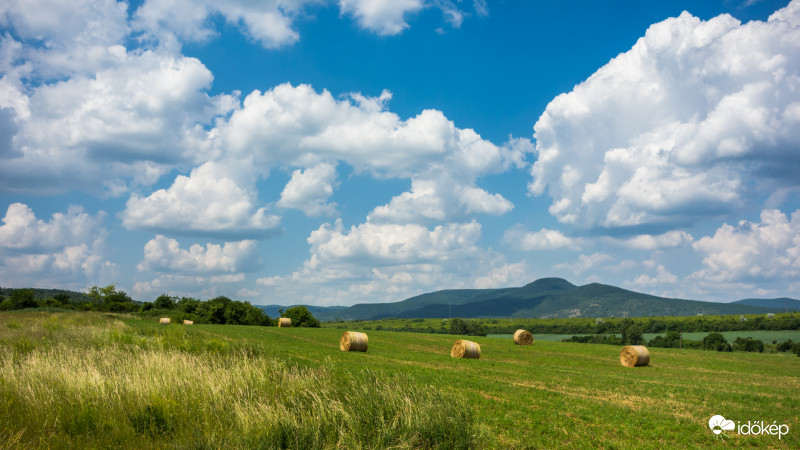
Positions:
{"x": 188, "y": 322}
{"x": 353, "y": 341}
{"x": 634, "y": 355}
{"x": 465, "y": 349}
{"x": 523, "y": 337}
{"x": 164, "y": 321}
{"x": 284, "y": 322}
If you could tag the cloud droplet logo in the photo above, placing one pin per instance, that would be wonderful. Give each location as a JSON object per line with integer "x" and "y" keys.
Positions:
{"x": 718, "y": 424}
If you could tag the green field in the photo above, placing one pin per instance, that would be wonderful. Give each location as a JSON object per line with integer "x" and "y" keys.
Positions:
{"x": 765, "y": 336}
{"x": 77, "y": 380}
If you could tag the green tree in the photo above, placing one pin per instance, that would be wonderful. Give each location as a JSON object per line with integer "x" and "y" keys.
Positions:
{"x": 23, "y": 298}
{"x": 164, "y": 301}
{"x": 110, "y": 299}
{"x": 301, "y": 317}
{"x": 236, "y": 313}
{"x": 188, "y": 305}
{"x": 633, "y": 335}
{"x": 716, "y": 341}
{"x": 467, "y": 327}
{"x": 748, "y": 344}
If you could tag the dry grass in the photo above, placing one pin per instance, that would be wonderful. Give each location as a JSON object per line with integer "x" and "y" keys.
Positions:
{"x": 107, "y": 385}
{"x": 284, "y": 322}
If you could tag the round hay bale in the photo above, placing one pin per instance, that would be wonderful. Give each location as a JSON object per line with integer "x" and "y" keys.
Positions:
{"x": 634, "y": 355}
{"x": 523, "y": 337}
{"x": 188, "y": 322}
{"x": 164, "y": 321}
{"x": 353, "y": 341}
{"x": 465, "y": 349}
{"x": 284, "y": 322}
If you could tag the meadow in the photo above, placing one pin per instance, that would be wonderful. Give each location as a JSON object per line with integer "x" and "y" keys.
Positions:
{"x": 77, "y": 380}
{"x": 766, "y": 337}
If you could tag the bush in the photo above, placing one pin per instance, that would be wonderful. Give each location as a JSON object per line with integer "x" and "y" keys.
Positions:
{"x": 467, "y": 327}
{"x": 748, "y": 344}
{"x": 716, "y": 341}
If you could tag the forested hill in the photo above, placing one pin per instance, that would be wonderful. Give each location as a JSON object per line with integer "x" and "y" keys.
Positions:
{"x": 783, "y": 304}
{"x": 544, "y": 298}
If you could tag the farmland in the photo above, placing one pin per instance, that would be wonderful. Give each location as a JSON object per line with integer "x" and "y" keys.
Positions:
{"x": 99, "y": 380}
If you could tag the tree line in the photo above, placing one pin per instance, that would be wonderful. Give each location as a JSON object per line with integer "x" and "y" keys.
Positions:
{"x": 219, "y": 310}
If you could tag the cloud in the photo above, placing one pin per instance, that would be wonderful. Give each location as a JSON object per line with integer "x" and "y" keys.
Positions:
{"x": 22, "y": 231}
{"x": 752, "y": 252}
{"x": 68, "y": 250}
{"x": 661, "y": 277}
{"x": 308, "y": 190}
{"x": 697, "y": 119}
{"x": 544, "y": 239}
{"x": 267, "y": 22}
{"x": 390, "y": 262}
{"x": 300, "y": 127}
{"x": 439, "y": 198}
{"x": 137, "y": 118}
{"x": 511, "y": 274}
{"x": 162, "y": 254}
{"x": 670, "y": 239}
{"x": 392, "y": 244}
{"x": 585, "y": 262}
{"x": 296, "y": 125}
{"x": 66, "y": 37}
{"x": 379, "y": 16}
{"x": 196, "y": 286}
{"x": 208, "y": 202}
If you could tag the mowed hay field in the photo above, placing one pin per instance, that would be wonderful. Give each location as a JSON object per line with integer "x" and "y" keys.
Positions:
{"x": 78, "y": 380}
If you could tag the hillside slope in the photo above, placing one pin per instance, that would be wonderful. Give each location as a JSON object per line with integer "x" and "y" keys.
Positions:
{"x": 545, "y": 298}
{"x": 783, "y": 304}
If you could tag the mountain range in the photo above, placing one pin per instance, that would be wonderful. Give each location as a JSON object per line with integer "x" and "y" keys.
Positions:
{"x": 543, "y": 298}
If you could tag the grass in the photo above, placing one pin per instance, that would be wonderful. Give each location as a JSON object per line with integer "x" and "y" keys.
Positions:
{"x": 765, "y": 336}
{"x": 90, "y": 380}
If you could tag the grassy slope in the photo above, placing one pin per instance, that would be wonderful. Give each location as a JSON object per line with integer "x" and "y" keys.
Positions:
{"x": 556, "y": 394}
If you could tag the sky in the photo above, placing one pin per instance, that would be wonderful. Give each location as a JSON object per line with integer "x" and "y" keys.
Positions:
{"x": 338, "y": 152}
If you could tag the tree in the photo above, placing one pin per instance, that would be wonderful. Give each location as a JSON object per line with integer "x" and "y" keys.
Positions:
{"x": 23, "y": 298}
{"x": 716, "y": 341}
{"x": 110, "y": 299}
{"x": 633, "y": 335}
{"x": 467, "y": 327}
{"x": 301, "y": 317}
{"x": 164, "y": 301}
{"x": 748, "y": 344}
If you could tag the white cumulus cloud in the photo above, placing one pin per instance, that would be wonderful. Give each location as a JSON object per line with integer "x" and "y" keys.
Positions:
{"x": 544, "y": 239}
{"x": 683, "y": 125}
{"x": 69, "y": 249}
{"x": 207, "y": 202}
{"x": 162, "y": 254}
{"x": 308, "y": 190}
{"x": 750, "y": 252}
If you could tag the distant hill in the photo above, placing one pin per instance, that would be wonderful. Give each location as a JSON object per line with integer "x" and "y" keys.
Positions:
{"x": 782, "y": 303}
{"x": 544, "y": 298}
{"x": 317, "y": 311}
{"x": 40, "y": 294}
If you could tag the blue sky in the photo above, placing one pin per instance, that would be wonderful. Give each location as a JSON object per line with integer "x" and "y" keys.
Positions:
{"x": 338, "y": 152}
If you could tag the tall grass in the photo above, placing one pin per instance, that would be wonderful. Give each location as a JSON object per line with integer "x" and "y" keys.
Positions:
{"x": 69, "y": 380}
